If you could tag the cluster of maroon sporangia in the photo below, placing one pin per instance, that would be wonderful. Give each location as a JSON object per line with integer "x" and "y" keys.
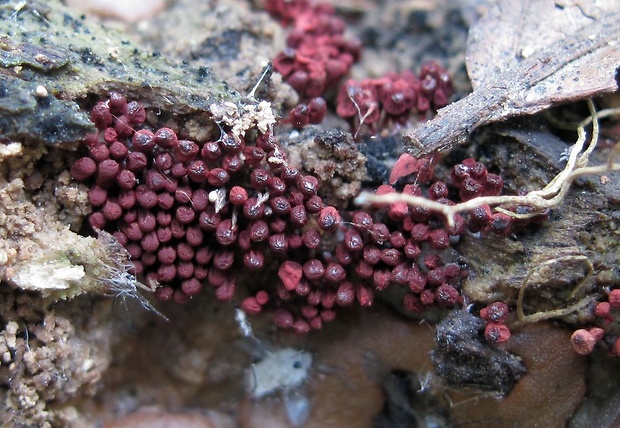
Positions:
{"x": 317, "y": 54}
{"x": 206, "y": 213}
{"x": 394, "y": 97}
{"x": 495, "y": 315}
{"x": 317, "y": 58}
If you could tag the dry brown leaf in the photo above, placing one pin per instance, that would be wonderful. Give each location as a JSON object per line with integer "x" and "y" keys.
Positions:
{"x": 525, "y": 56}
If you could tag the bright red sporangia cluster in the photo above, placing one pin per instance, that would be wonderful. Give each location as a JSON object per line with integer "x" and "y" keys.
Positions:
{"x": 317, "y": 54}
{"x": 187, "y": 212}
{"x": 495, "y": 316}
{"x": 394, "y": 97}
{"x": 318, "y": 57}
{"x": 196, "y": 213}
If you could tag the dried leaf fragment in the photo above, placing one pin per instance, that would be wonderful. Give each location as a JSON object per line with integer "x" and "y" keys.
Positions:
{"x": 522, "y": 63}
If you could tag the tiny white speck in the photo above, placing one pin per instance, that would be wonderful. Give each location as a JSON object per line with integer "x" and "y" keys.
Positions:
{"x": 41, "y": 92}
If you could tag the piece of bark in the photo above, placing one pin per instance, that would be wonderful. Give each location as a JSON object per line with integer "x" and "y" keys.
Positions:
{"x": 516, "y": 76}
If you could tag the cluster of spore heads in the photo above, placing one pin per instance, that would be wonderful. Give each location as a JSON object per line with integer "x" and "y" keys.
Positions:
{"x": 317, "y": 58}
{"x": 495, "y": 316}
{"x": 224, "y": 213}
{"x": 191, "y": 213}
{"x": 394, "y": 97}
{"x": 317, "y": 54}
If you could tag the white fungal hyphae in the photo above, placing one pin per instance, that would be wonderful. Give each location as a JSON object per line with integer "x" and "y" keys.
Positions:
{"x": 279, "y": 371}
{"x": 218, "y": 198}
{"x": 117, "y": 278}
